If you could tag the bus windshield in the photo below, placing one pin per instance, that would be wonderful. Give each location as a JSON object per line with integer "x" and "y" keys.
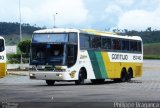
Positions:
{"x": 51, "y": 54}
{"x": 1, "y": 45}
{"x": 58, "y": 37}
{"x": 54, "y": 49}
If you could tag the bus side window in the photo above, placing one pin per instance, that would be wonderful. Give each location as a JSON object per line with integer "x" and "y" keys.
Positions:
{"x": 96, "y": 42}
{"x": 116, "y": 44}
{"x": 84, "y": 41}
{"x": 133, "y": 46}
{"x": 106, "y": 43}
{"x": 139, "y": 48}
{"x": 125, "y": 45}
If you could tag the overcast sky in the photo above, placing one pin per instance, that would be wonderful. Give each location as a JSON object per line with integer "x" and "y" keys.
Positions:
{"x": 96, "y": 14}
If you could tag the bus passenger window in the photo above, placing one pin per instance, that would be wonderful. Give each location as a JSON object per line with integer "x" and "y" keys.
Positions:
{"x": 96, "y": 42}
{"x": 84, "y": 41}
{"x": 139, "y": 49}
{"x": 106, "y": 43}
{"x": 116, "y": 44}
{"x": 125, "y": 45}
{"x": 133, "y": 46}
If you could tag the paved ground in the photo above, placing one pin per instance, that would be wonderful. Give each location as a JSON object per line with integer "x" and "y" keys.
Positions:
{"x": 16, "y": 88}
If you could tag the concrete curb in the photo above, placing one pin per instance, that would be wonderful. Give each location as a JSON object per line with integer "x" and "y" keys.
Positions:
{"x": 20, "y": 73}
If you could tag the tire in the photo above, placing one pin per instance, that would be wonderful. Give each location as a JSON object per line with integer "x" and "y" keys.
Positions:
{"x": 124, "y": 76}
{"x": 97, "y": 81}
{"x": 130, "y": 74}
{"x": 50, "y": 82}
{"x": 81, "y": 78}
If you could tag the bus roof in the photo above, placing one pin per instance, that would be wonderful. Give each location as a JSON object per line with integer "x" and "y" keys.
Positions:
{"x": 109, "y": 34}
{"x": 86, "y": 31}
{"x": 56, "y": 30}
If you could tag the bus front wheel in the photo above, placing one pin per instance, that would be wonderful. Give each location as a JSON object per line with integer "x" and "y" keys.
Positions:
{"x": 50, "y": 82}
{"x": 81, "y": 78}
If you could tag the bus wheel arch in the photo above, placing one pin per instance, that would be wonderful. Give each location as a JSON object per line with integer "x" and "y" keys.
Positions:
{"x": 82, "y": 75}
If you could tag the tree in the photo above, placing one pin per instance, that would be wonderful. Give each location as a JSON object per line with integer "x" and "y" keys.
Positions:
{"x": 24, "y": 46}
{"x": 149, "y": 29}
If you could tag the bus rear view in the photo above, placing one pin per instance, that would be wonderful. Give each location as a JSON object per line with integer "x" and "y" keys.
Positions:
{"x": 2, "y": 58}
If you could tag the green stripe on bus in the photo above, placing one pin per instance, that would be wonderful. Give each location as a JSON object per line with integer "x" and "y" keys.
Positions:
{"x": 101, "y": 64}
{"x": 95, "y": 65}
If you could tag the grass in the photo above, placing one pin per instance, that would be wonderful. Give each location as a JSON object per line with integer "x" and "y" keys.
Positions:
{"x": 151, "y": 57}
{"x": 151, "y": 51}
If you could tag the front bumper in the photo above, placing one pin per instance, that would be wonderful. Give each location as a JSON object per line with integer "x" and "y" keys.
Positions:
{"x": 48, "y": 75}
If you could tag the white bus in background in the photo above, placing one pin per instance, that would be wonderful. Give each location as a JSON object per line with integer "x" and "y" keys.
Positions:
{"x": 60, "y": 54}
{"x": 2, "y": 57}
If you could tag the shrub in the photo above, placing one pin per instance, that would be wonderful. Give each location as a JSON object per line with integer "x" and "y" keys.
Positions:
{"x": 16, "y": 58}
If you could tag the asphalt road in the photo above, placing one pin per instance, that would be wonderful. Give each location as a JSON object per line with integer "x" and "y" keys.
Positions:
{"x": 19, "y": 89}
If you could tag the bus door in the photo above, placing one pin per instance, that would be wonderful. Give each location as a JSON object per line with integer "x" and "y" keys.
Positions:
{"x": 71, "y": 54}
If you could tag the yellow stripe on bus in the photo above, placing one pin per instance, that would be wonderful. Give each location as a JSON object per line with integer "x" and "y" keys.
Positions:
{"x": 2, "y": 70}
{"x": 113, "y": 69}
{"x": 108, "y": 65}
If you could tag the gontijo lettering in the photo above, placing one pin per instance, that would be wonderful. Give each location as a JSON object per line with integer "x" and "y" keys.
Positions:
{"x": 119, "y": 57}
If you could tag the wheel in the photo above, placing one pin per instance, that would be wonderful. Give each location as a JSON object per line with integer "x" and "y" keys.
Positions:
{"x": 81, "y": 78}
{"x": 97, "y": 81}
{"x": 50, "y": 82}
{"x": 124, "y": 75}
{"x": 130, "y": 75}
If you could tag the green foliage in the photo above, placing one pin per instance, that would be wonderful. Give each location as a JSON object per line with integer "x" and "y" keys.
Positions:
{"x": 148, "y": 36}
{"x": 10, "y": 31}
{"x": 151, "y": 57}
{"x": 24, "y": 46}
{"x": 151, "y": 49}
{"x": 13, "y": 28}
{"x": 15, "y": 58}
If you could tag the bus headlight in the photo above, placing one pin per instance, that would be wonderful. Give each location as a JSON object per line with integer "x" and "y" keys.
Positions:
{"x": 59, "y": 75}
{"x": 32, "y": 76}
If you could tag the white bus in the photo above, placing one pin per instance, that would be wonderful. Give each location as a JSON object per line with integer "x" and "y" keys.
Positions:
{"x": 60, "y": 54}
{"x": 2, "y": 58}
